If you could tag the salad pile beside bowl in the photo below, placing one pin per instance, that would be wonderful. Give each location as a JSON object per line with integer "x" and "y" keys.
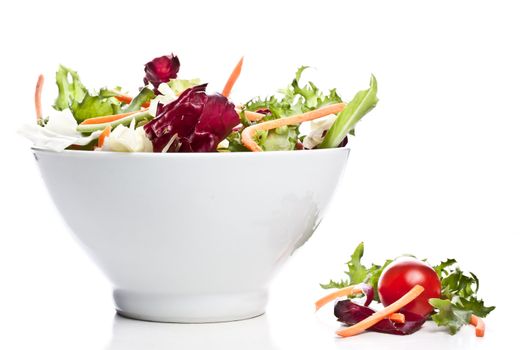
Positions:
{"x": 188, "y": 202}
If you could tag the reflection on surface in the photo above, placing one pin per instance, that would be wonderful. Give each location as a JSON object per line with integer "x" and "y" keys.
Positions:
{"x": 138, "y": 335}
{"x": 430, "y": 337}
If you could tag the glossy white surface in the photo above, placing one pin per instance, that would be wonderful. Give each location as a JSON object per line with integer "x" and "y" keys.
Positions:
{"x": 89, "y": 323}
{"x": 163, "y": 229}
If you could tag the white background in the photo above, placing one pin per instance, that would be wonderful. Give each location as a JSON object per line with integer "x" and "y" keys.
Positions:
{"x": 436, "y": 169}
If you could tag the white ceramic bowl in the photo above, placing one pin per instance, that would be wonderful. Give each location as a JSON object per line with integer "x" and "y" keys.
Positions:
{"x": 191, "y": 237}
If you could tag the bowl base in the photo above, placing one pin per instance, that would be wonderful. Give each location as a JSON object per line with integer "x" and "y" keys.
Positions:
{"x": 169, "y": 320}
{"x": 190, "y": 309}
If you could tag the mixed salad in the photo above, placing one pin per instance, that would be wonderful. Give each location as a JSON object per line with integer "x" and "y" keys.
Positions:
{"x": 411, "y": 291}
{"x": 169, "y": 114}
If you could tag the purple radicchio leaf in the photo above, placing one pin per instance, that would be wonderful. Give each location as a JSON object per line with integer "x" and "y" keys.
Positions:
{"x": 264, "y": 111}
{"x": 195, "y": 122}
{"x": 368, "y": 291}
{"x": 351, "y": 313}
{"x": 161, "y": 70}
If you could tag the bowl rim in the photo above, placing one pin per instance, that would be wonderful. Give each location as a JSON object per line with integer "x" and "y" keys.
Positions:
{"x": 104, "y": 154}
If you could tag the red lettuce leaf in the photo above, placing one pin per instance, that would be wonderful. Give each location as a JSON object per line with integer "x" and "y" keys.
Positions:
{"x": 368, "y": 291}
{"x": 195, "y": 122}
{"x": 351, "y": 313}
{"x": 161, "y": 70}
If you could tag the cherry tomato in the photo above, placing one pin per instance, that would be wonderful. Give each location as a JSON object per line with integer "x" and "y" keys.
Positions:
{"x": 403, "y": 274}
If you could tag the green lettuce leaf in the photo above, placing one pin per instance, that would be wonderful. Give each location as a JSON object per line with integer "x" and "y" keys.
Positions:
{"x": 94, "y": 106}
{"x": 456, "y": 312}
{"x": 449, "y": 315}
{"x": 143, "y": 96}
{"x": 441, "y": 269}
{"x": 74, "y": 95}
{"x": 356, "y": 271}
{"x": 70, "y": 89}
{"x": 461, "y": 288}
{"x": 235, "y": 143}
{"x": 283, "y": 138}
{"x": 335, "y": 284}
{"x": 359, "y": 273}
{"x": 477, "y": 306}
{"x": 105, "y": 92}
{"x": 374, "y": 272}
{"x": 179, "y": 85}
{"x": 363, "y": 102}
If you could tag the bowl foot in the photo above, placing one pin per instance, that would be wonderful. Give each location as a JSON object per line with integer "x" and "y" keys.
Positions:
{"x": 177, "y": 308}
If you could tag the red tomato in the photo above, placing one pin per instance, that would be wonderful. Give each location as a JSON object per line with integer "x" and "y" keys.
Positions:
{"x": 403, "y": 274}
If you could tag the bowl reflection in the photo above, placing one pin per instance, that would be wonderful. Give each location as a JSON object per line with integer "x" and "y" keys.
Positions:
{"x": 250, "y": 334}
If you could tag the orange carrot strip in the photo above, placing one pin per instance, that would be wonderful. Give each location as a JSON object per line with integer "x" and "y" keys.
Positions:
{"x": 127, "y": 100}
{"x": 253, "y": 116}
{"x": 343, "y": 292}
{"x": 397, "y": 318}
{"x": 107, "y": 118}
{"x": 38, "y": 97}
{"x": 379, "y": 315}
{"x": 233, "y": 78}
{"x": 249, "y": 132}
{"x": 103, "y": 136}
{"x": 479, "y": 324}
{"x": 124, "y": 98}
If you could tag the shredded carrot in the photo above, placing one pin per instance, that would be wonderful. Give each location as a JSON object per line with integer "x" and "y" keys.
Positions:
{"x": 103, "y": 136}
{"x": 107, "y": 118}
{"x": 233, "y": 78}
{"x": 124, "y": 98}
{"x": 397, "y": 318}
{"x": 379, "y": 315}
{"x": 254, "y": 116}
{"x": 348, "y": 291}
{"x": 248, "y": 133}
{"x": 251, "y": 116}
{"x": 127, "y": 100}
{"x": 479, "y": 324}
{"x": 38, "y": 97}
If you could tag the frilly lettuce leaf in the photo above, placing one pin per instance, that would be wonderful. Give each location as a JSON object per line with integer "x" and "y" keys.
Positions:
{"x": 294, "y": 99}
{"x": 449, "y": 315}
{"x": 235, "y": 143}
{"x": 73, "y": 95}
{"x": 359, "y": 273}
{"x": 461, "y": 288}
{"x": 70, "y": 89}
{"x": 459, "y": 299}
